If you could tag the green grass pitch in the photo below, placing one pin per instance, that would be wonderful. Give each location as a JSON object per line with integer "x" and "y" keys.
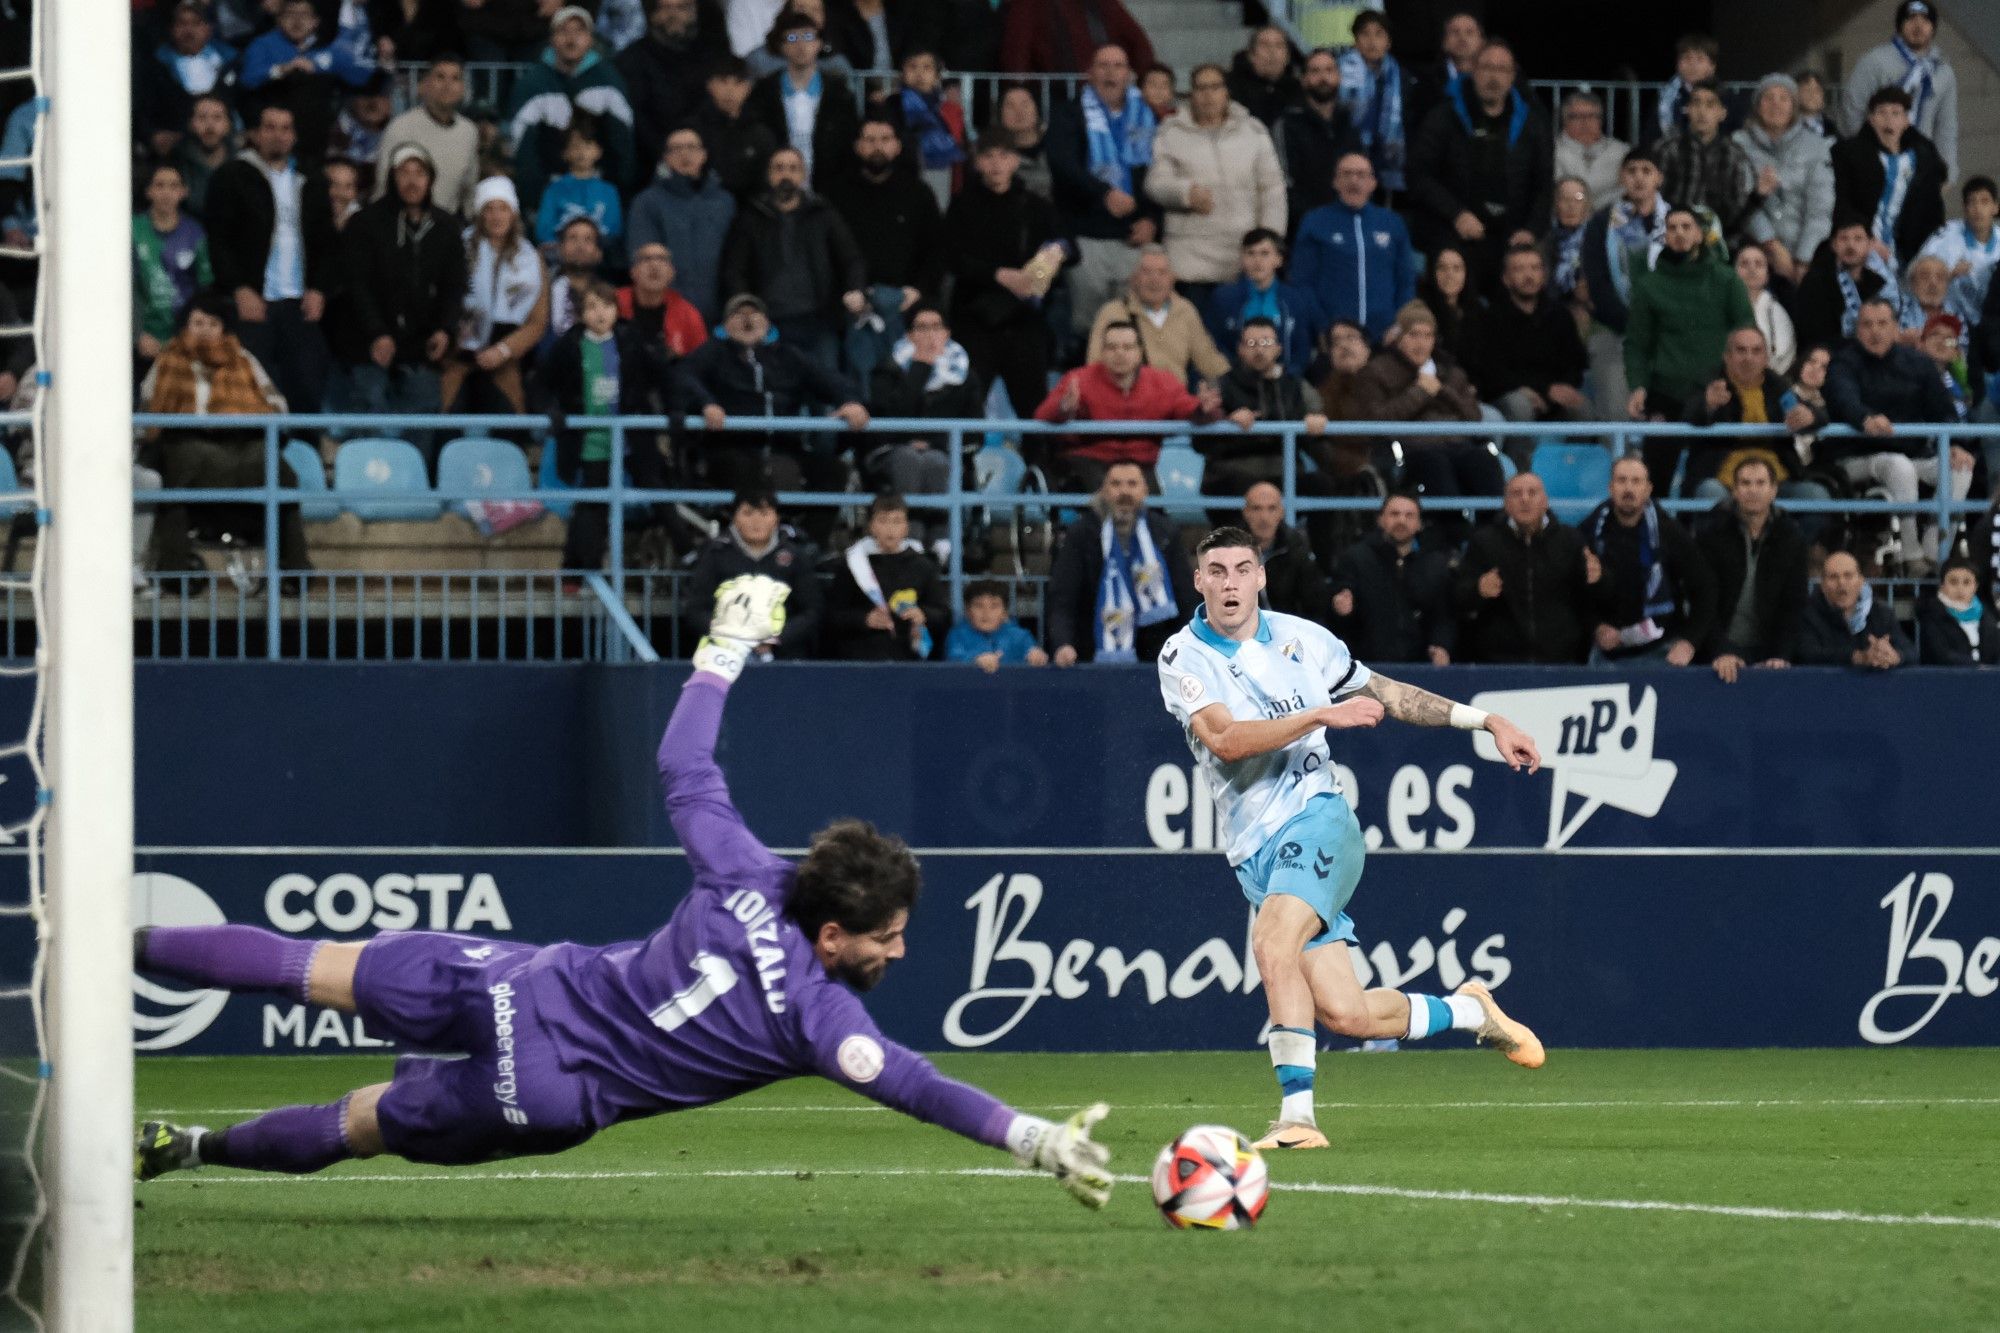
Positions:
{"x": 1876, "y": 1176}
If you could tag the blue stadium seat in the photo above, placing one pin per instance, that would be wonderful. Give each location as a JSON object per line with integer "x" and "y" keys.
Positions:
{"x": 10, "y": 480}
{"x": 393, "y": 469}
{"x": 475, "y": 463}
{"x": 548, "y": 479}
{"x": 1179, "y": 470}
{"x": 306, "y": 466}
{"x": 998, "y": 470}
{"x": 1573, "y": 471}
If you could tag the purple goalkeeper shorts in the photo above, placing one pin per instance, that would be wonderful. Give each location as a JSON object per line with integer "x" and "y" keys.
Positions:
{"x": 496, "y": 1089}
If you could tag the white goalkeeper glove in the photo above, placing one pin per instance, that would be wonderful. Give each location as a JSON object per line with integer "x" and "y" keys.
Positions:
{"x": 1067, "y": 1152}
{"x": 749, "y": 610}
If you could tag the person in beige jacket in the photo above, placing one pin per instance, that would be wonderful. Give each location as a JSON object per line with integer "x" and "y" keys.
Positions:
{"x": 1172, "y": 334}
{"x": 1216, "y": 174}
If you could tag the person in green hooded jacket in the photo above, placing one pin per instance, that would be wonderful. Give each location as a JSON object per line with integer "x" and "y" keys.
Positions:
{"x": 1683, "y": 310}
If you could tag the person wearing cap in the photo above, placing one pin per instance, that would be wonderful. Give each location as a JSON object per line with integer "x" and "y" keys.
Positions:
{"x": 1891, "y": 173}
{"x": 392, "y": 325}
{"x": 436, "y": 125}
{"x": 290, "y": 67}
{"x": 506, "y": 305}
{"x": 359, "y": 127}
{"x": 571, "y": 76}
{"x": 791, "y": 249}
{"x": 688, "y": 211}
{"x": 1910, "y": 61}
{"x": 803, "y": 104}
{"x": 1792, "y": 217}
{"x": 757, "y": 541}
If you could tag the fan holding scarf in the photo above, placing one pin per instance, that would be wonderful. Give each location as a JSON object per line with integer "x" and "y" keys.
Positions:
{"x": 1656, "y": 598}
{"x": 1911, "y": 61}
{"x": 1121, "y": 583}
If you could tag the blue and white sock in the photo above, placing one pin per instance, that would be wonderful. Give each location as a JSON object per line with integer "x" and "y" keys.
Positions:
{"x": 1432, "y": 1014}
{"x": 1292, "y": 1053}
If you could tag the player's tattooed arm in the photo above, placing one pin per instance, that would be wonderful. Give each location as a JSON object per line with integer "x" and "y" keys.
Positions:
{"x": 1407, "y": 703}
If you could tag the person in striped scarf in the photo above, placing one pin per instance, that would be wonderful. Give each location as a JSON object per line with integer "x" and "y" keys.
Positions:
{"x": 1911, "y": 61}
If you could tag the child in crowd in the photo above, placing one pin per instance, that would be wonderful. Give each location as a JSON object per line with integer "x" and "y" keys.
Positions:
{"x": 170, "y": 258}
{"x": 988, "y": 636}
{"x": 580, "y": 192}
{"x": 1956, "y": 628}
{"x": 933, "y": 126}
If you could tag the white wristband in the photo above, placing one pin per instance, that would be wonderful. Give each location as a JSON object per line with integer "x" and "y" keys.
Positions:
{"x": 1467, "y": 718}
{"x": 721, "y": 657}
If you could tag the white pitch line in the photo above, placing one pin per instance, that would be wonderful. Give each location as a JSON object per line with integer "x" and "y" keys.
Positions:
{"x": 1747, "y": 1211}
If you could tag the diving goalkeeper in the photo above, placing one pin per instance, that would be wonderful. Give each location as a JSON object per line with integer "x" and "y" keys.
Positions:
{"x": 753, "y": 979}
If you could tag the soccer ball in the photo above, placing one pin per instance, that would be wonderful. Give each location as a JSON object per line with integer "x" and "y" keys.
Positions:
{"x": 1210, "y": 1177}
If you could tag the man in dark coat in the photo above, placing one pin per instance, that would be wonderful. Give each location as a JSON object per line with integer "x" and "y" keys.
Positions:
{"x": 1758, "y": 558}
{"x": 792, "y": 251}
{"x": 1076, "y": 580}
{"x": 836, "y": 118}
{"x": 1261, "y": 77}
{"x": 1656, "y": 597}
{"x": 1844, "y": 625}
{"x": 1904, "y": 217}
{"x": 1481, "y": 170}
{"x": 997, "y": 228}
{"x": 1293, "y": 582}
{"x": 756, "y": 542}
{"x": 1393, "y": 596}
{"x": 665, "y": 71}
{"x": 1525, "y": 589}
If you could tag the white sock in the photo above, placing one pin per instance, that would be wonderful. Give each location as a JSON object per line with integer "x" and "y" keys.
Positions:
{"x": 1292, "y": 1055}
{"x": 1467, "y": 1015}
{"x": 1297, "y": 1107}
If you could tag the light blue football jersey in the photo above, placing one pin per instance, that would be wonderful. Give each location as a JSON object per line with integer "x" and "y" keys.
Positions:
{"x": 1291, "y": 665}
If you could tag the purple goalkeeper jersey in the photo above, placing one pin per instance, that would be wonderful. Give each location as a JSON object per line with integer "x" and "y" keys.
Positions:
{"x": 728, "y": 995}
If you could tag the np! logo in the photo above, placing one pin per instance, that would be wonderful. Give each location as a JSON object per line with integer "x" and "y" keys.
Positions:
{"x": 1597, "y": 743}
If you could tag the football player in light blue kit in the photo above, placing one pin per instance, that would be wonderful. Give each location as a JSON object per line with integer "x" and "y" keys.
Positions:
{"x": 1255, "y": 691}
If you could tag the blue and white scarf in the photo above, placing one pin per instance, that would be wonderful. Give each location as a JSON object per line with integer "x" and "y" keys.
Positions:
{"x": 935, "y": 144}
{"x": 1857, "y": 619}
{"x": 1673, "y": 102}
{"x": 950, "y": 369}
{"x": 1625, "y": 232}
{"x": 1376, "y": 96}
{"x": 1117, "y": 143}
{"x": 1569, "y": 257}
{"x": 1919, "y": 77}
{"x": 1659, "y": 600}
{"x": 1897, "y": 171}
{"x": 863, "y": 571}
{"x": 1134, "y": 591}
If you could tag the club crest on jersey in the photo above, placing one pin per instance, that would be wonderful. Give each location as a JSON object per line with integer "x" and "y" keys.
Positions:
{"x": 1292, "y": 651}
{"x": 1190, "y": 689}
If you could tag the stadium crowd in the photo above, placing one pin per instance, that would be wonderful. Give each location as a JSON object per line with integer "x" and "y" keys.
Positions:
{"x": 703, "y": 208}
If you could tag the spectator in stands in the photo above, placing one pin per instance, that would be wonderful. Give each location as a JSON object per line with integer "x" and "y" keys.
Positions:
{"x": 932, "y": 125}
{"x": 1377, "y": 94}
{"x": 1392, "y": 599}
{"x": 880, "y": 34}
{"x": 925, "y": 375}
{"x": 1701, "y": 167}
{"x": 665, "y": 70}
{"x": 1890, "y": 173}
{"x": 1337, "y": 369}
{"x": 755, "y": 542}
{"x": 357, "y": 132}
{"x": 1983, "y": 544}
{"x": 170, "y": 263}
{"x": 1216, "y": 176}
{"x": 1020, "y": 124}
{"x": 1927, "y": 297}
{"x": 1794, "y": 215}
{"x": 290, "y": 67}
{"x": 1293, "y": 583}
{"x": 736, "y": 142}
{"x": 579, "y": 261}
{"x": 581, "y": 192}
{"x": 1170, "y": 326}
{"x": 1941, "y": 342}
{"x": 1312, "y": 136}
{"x": 272, "y": 242}
{"x": 1458, "y": 46}
{"x": 888, "y": 602}
{"x": 1481, "y": 169}
{"x": 1585, "y": 151}
{"x": 1875, "y": 385}
{"x": 1656, "y": 597}
{"x": 1969, "y": 249}
{"x": 1682, "y": 312}
{"x": 392, "y": 324}
{"x": 1812, "y": 105}
{"x": 1412, "y": 379}
{"x": 1354, "y": 256}
{"x": 201, "y": 152}
{"x": 1261, "y": 79}
{"x": 1695, "y": 55}
{"x": 1260, "y": 293}
{"x": 1100, "y": 148}
{"x": 1843, "y": 624}
{"x": 687, "y": 211}
{"x": 506, "y": 303}
{"x": 1004, "y": 254}
{"x": 1157, "y": 91}
{"x": 450, "y": 139}
{"x": 1562, "y": 248}
{"x": 1531, "y": 362}
{"x": 1749, "y": 391}
{"x": 204, "y": 371}
{"x": 798, "y": 104}
{"x": 1758, "y": 558}
{"x": 190, "y": 63}
{"x": 1526, "y": 589}
{"x": 1446, "y": 291}
{"x": 1954, "y": 627}
{"x": 1753, "y": 269}
{"x": 1117, "y": 385}
{"x": 790, "y": 249}
{"x": 1910, "y": 63}
{"x": 988, "y": 637}
{"x": 655, "y": 308}
{"x": 747, "y": 374}
{"x": 1843, "y": 275}
{"x": 570, "y": 76}
{"x": 343, "y": 192}
{"x": 1121, "y": 583}
{"x": 894, "y": 220}
{"x": 1619, "y": 243}
{"x": 1067, "y": 36}
{"x": 1257, "y": 389}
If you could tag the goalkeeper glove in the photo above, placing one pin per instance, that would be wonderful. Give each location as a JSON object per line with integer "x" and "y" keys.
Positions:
{"x": 1067, "y": 1152}
{"x": 749, "y": 610}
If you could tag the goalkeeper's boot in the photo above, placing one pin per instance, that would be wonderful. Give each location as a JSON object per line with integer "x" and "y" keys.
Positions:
{"x": 163, "y": 1147}
{"x": 1512, "y": 1039}
{"x": 1291, "y": 1134}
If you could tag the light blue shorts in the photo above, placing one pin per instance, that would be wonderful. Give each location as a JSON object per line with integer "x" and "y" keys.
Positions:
{"x": 1316, "y": 857}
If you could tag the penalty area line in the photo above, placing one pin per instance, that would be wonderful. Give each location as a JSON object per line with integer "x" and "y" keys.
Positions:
{"x": 1750, "y": 1212}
